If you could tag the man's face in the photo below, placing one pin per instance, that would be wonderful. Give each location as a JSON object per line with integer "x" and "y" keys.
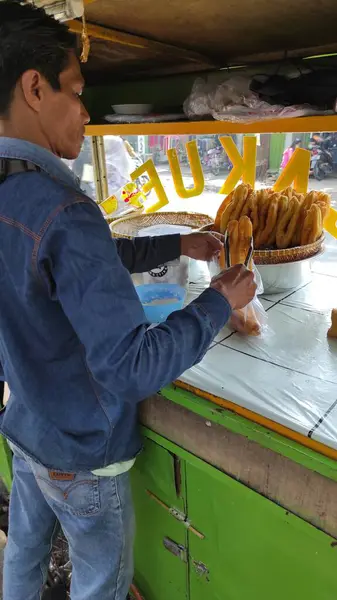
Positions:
{"x": 62, "y": 116}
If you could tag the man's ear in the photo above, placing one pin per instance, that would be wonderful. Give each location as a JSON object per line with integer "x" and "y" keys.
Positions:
{"x": 33, "y": 88}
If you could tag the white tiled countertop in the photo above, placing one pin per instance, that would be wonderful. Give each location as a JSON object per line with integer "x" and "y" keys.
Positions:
{"x": 289, "y": 373}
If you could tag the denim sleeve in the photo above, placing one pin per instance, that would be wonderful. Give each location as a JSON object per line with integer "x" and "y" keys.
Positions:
{"x": 143, "y": 254}
{"x": 97, "y": 295}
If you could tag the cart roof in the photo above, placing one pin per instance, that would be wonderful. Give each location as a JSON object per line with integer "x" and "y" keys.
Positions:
{"x": 136, "y": 37}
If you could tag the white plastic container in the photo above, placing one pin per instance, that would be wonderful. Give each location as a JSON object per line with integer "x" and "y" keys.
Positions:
{"x": 175, "y": 271}
{"x": 285, "y": 277}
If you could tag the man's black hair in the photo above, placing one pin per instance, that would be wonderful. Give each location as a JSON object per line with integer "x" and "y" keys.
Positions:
{"x": 30, "y": 39}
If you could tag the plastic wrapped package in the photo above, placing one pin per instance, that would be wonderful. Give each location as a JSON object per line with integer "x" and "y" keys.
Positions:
{"x": 199, "y": 102}
{"x": 251, "y": 320}
{"x": 238, "y": 249}
{"x": 234, "y": 101}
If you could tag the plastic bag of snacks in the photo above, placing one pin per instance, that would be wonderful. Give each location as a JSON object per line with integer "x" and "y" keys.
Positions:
{"x": 233, "y": 100}
{"x": 250, "y": 320}
{"x": 238, "y": 249}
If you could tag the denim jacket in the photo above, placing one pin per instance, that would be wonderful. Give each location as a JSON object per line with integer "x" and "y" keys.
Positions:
{"x": 75, "y": 347}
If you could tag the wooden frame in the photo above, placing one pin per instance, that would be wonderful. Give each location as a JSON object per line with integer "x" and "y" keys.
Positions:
{"x": 299, "y": 125}
{"x": 127, "y": 39}
{"x": 271, "y": 474}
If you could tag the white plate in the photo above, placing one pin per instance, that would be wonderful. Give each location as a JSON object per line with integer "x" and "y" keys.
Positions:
{"x": 132, "y": 109}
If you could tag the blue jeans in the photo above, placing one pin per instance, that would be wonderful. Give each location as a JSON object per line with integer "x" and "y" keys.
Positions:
{"x": 97, "y": 518}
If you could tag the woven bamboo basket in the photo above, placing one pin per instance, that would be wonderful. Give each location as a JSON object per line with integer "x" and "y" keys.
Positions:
{"x": 128, "y": 227}
{"x": 286, "y": 255}
{"x": 110, "y": 218}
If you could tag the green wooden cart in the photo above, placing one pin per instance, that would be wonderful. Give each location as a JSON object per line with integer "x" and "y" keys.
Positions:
{"x": 237, "y": 499}
{"x": 228, "y": 510}
{"x": 235, "y": 492}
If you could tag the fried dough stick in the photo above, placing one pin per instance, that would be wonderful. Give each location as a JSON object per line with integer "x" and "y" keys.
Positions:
{"x": 287, "y": 224}
{"x": 239, "y": 243}
{"x": 313, "y": 225}
{"x": 263, "y": 235}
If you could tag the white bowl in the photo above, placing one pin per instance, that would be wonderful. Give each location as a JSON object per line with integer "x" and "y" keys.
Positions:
{"x": 285, "y": 277}
{"x": 132, "y": 109}
{"x": 280, "y": 278}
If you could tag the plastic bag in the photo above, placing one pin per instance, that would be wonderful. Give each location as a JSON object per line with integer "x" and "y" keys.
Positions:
{"x": 174, "y": 271}
{"x": 251, "y": 320}
{"x": 234, "y": 101}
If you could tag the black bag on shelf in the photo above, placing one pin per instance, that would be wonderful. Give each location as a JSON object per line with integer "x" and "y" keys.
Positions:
{"x": 317, "y": 88}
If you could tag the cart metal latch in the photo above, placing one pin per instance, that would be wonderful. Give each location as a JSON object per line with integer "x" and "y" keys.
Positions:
{"x": 177, "y": 514}
{"x": 180, "y": 516}
{"x": 200, "y": 569}
{"x": 175, "y": 549}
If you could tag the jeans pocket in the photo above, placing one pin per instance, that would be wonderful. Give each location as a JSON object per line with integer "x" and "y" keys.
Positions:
{"x": 76, "y": 493}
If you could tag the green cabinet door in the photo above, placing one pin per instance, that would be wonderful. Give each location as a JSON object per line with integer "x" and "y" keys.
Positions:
{"x": 253, "y": 549}
{"x": 161, "y": 570}
{"x": 5, "y": 463}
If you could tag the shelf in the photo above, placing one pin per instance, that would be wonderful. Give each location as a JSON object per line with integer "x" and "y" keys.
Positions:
{"x": 299, "y": 125}
{"x": 135, "y": 38}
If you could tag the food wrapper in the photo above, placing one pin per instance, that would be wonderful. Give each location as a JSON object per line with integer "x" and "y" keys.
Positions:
{"x": 250, "y": 320}
{"x": 238, "y": 249}
{"x": 233, "y": 100}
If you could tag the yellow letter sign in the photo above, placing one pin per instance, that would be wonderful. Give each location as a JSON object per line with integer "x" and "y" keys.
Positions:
{"x": 153, "y": 184}
{"x": 244, "y": 166}
{"x": 110, "y": 204}
{"x": 330, "y": 223}
{"x": 196, "y": 170}
{"x": 296, "y": 171}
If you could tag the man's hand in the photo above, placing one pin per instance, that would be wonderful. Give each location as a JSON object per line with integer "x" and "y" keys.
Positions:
{"x": 237, "y": 285}
{"x": 201, "y": 246}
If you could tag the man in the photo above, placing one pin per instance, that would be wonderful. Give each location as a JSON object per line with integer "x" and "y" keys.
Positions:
{"x": 75, "y": 346}
{"x": 119, "y": 165}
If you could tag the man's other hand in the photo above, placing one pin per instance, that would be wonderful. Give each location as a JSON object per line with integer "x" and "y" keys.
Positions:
{"x": 201, "y": 246}
{"x": 237, "y": 285}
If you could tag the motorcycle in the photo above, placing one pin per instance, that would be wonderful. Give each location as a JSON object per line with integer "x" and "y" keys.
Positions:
{"x": 321, "y": 163}
{"x": 213, "y": 160}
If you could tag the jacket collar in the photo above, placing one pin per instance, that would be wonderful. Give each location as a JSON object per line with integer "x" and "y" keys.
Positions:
{"x": 48, "y": 162}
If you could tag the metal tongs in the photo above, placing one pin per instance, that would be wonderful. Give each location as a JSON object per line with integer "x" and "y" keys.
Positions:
{"x": 228, "y": 256}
